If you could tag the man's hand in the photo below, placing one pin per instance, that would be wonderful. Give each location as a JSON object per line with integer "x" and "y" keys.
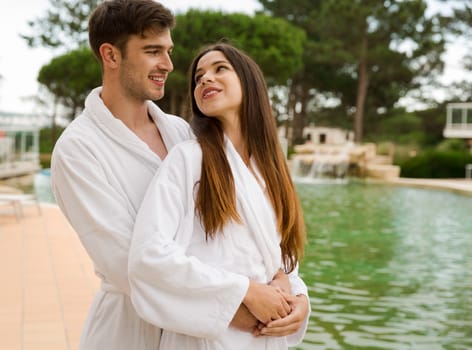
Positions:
{"x": 290, "y": 324}
{"x": 244, "y": 320}
{"x": 266, "y": 302}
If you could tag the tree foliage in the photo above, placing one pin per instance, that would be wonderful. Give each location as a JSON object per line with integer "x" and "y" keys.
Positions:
{"x": 460, "y": 25}
{"x": 330, "y": 61}
{"x": 374, "y": 51}
{"x": 70, "y": 77}
{"x": 275, "y": 45}
{"x": 63, "y": 26}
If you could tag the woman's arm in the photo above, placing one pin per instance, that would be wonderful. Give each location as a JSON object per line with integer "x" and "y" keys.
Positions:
{"x": 175, "y": 291}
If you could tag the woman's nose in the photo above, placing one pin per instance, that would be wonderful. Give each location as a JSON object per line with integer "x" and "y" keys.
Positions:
{"x": 206, "y": 78}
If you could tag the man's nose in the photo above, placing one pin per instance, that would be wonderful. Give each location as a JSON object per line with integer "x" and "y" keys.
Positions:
{"x": 166, "y": 64}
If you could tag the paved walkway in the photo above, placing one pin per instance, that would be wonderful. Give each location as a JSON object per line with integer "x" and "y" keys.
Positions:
{"x": 48, "y": 281}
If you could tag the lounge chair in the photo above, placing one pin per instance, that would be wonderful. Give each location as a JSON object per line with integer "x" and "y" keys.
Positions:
{"x": 17, "y": 200}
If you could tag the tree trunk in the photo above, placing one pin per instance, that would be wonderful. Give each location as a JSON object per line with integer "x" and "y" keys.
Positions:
{"x": 173, "y": 103}
{"x": 298, "y": 95}
{"x": 299, "y": 118}
{"x": 290, "y": 113}
{"x": 185, "y": 110}
{"x": 362, "y": 86}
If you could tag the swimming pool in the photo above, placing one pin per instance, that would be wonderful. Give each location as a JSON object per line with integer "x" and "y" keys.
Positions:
{"x": 42, "y": 186}
{"x": 388, "y": 267}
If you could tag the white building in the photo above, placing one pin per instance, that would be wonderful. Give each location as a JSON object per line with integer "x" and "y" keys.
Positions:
{"x": 19, "y": 147}
{"x": 458, "y": 121}
{"x": 320, "y": 135}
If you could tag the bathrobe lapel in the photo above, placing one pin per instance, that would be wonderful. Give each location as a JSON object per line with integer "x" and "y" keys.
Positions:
{"x": 256, "y": 210}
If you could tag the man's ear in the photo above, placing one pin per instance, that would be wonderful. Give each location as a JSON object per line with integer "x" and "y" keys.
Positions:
{"x": 109, "y": 54}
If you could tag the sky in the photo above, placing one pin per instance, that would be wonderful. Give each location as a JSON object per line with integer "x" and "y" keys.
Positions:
{"x": 20, "y": 65}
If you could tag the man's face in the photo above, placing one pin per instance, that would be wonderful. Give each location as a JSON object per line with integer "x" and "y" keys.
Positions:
{"x": 146, "y": 64}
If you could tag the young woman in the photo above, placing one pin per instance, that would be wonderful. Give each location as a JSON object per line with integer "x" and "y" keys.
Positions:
{"x": 226, "y": 197}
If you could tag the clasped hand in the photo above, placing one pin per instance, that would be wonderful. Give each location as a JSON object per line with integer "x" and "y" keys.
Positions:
{"x": 271, "y": 309}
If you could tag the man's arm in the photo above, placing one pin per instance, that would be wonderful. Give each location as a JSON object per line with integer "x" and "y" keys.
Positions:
{"x": 244, "y": 320}
{"x": 95, "y": 211}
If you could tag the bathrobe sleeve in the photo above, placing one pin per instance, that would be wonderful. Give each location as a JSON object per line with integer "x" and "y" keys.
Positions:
{"x": 298, "y": 287}
{"x": 94, "y": 208}
{"x": 169, "y": 289}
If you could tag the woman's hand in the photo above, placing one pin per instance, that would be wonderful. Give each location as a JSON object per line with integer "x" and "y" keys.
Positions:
{"x": 266, "y": 303}
{"x": 289, "y": 324}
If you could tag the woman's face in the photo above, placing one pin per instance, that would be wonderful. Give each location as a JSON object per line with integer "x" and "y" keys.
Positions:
{"x": 218, "y": 91}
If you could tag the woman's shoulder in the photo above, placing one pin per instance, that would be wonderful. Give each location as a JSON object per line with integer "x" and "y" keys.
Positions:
{"x": 187, "y": 146}
{"x": 188, "y": 151}
{"x": 182, "y": 162}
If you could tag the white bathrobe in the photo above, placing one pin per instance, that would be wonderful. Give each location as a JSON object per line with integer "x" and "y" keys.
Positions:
{"x": 166, "y": 218}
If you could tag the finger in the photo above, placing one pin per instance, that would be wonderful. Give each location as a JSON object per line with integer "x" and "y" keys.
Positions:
{"x": 282, "y": 310}
{"x": 282, "y": 322}
{"x": 291, "y": 299}
{"x": 286, "y": 308}
{"x": 256, "y": 332}
{"x": 279, "y": 331}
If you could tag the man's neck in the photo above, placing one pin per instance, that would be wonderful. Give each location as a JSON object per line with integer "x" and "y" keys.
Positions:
{"x": 134, "y": 114}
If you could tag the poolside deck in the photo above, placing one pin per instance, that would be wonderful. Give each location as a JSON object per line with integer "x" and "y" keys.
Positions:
{"x": 48, "y": 278}
{"x": 48, "y": 281}
{"x": 463, "y": 186}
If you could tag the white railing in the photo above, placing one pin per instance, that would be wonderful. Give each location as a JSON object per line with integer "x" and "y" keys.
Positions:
{"x": 468, "y": 171}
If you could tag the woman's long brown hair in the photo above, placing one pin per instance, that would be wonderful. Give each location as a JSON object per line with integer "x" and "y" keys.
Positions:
{"x": 216, "y": 196}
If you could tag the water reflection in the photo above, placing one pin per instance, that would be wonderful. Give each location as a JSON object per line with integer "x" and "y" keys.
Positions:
{"x": 388, "y": 267}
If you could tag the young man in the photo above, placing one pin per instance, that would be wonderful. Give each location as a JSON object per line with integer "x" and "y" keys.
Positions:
{"x": 105, "y": 159}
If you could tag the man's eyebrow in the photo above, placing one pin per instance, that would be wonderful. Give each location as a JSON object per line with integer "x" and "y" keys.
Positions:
{"x": 157, "y": 47}
{"x": 213, "y": 64}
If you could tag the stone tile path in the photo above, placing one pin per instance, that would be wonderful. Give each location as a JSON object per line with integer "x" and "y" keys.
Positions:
{"x": 48, "y": 282}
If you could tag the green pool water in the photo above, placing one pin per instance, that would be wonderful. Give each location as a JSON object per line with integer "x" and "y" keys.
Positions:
{"x": 387, "y": 267}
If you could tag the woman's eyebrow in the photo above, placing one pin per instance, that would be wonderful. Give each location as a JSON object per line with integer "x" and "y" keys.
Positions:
{"x": 213, "y": 64}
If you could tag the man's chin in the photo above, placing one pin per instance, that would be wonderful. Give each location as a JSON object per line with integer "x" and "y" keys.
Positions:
{"x": 157, "y": 96}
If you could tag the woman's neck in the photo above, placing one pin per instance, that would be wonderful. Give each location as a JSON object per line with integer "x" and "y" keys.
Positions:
{"x": 238, "y": 142}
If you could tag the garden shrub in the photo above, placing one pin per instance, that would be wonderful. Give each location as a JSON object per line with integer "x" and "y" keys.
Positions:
{"x": 436, "y": 165}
